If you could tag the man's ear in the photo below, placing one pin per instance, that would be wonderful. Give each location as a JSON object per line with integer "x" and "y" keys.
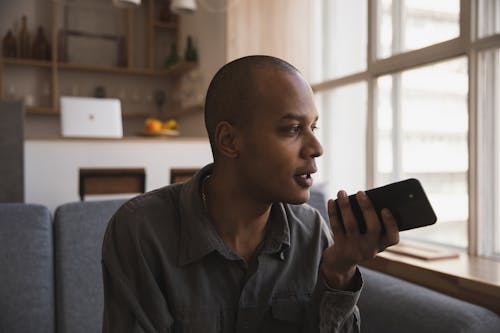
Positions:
{"x": 226, "y": 139}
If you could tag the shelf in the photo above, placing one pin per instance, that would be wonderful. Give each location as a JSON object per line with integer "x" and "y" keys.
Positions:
{"x": 175, "y": 70}
{"x": 42, "y": 111}
{"x": 140, "y": 29}
{"x": 27, "y": 62}
{"x": 105, "y": 69}
{"x": 47, "y": 111}
{"x": 165, "y": 25}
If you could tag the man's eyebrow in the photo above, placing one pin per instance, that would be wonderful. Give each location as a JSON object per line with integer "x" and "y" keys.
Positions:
{"x": 294, "y": 116}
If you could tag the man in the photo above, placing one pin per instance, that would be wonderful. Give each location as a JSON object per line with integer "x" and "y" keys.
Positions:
{"x": 234, "y": 249}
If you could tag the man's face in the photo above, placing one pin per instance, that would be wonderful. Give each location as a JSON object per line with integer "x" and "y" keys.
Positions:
{"x": 278, "y": 144}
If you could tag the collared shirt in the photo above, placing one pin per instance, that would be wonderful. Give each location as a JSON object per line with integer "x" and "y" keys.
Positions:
{"x": 166, "y": 269}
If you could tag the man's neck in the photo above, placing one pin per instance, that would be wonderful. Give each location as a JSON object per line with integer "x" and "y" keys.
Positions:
{"x": 239, "y": 221}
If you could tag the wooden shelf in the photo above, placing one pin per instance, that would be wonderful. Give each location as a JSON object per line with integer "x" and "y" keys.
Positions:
{"x": 105, "y": 69}
{"x": 42, "y": 111}
{"x": 177, "y": 69}
{"x": 47, "y": 111}
{"x": 149, "y": 71}
{"x": 27, "y": 62}
{"x": 165, "y": 25}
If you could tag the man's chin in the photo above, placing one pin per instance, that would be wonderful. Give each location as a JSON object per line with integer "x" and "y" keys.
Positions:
{"x": 298, "y": 199}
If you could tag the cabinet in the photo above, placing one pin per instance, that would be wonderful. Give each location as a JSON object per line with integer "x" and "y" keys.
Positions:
{"x": 80, "y": 25}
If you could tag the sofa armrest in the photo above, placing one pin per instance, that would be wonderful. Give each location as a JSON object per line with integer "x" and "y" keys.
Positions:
{"x": 388, "y": 304}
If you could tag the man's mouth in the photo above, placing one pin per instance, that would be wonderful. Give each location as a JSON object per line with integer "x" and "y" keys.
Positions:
{"x": 304, "y": 179}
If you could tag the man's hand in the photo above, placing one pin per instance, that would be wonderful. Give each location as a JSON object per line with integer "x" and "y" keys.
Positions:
{"x": 350, "y": 246}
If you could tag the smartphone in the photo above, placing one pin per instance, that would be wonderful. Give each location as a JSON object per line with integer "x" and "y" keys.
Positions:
{"x": 405, "y": 199}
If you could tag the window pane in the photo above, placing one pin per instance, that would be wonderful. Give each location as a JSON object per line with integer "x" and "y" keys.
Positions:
{"x": 489, "y": 152}
{"x": 422, "y": 128}
{"x": 405, "y": 25}
{"x": 342, "y": 30}
{"x": 342, "y": 122}
{"x": 488, "y": 18}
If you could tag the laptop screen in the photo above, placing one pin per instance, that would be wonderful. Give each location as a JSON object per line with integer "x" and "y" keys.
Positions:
{"x": 87, "y": 117}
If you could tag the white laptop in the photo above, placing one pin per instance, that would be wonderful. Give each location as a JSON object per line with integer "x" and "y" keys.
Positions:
{"x": 87, "y": 117}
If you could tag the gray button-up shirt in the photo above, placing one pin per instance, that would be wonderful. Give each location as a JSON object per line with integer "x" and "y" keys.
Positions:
{"x": 166, "y": 269}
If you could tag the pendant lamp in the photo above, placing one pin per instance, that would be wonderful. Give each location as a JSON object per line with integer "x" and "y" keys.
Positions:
{"x": 183, "y": 6}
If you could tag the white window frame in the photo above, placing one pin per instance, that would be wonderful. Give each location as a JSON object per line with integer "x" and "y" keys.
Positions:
{"x": 480, "y": 218}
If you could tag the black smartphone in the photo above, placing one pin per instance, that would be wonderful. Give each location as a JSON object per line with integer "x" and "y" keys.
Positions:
{"x": 405, "y": 199}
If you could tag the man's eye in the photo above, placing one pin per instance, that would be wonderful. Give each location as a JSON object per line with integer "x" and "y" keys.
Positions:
{"x": 294, "y": 129}
{"x": 314, "y": 128}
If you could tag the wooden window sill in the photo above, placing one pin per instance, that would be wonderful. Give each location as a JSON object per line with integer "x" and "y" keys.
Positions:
{"x": 470, "y": 278}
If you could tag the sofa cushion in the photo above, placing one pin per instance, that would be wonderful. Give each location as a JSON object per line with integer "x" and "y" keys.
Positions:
{"x": 388, "y": 304}
{"x": 27, "y": 271}
{"x": 78, "y": 231}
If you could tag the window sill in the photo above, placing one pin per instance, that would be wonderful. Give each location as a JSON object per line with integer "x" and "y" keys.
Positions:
{"x": 470, "y": 278}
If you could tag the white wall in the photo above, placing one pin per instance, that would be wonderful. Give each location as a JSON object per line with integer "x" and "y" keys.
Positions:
{"x": 51, "y": 166}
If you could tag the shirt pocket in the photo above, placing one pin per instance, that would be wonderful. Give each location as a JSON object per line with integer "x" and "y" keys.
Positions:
{"x": 288, "y": 316}
{"x": 194, "y": 322}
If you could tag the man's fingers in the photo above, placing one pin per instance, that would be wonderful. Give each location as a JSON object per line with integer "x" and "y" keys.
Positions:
{"x": 334, "y": 221}
{"x": 350, "y": 223}
{"x": 371, "y": 218}
{"x": 391, "y": 236}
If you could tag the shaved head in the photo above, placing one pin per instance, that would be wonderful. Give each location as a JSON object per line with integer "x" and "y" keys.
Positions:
{"x": 234, "y": 91}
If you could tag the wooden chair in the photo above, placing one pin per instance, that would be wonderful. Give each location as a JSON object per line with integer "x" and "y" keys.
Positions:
{"x": 111, "y": 181}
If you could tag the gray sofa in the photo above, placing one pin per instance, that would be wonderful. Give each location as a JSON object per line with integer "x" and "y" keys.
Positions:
{"x": 51, "y": 279}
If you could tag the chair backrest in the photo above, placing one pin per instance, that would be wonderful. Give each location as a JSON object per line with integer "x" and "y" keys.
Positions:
{"x": 27, "y": 269}
{"x": 11, "y": 151}
{"x": 318, "y": 200}
{"x": 78, "y": 232}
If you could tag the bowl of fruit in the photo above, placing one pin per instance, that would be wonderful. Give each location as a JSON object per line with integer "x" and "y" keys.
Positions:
{"x": 157, "y": 127}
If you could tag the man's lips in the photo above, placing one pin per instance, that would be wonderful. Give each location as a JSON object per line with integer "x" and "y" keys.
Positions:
{"x": 304, "y": 179}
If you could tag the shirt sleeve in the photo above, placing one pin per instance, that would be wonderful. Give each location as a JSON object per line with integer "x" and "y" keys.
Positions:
{"x": 333, "y": 310}
{"x": 133, "y": 301}
{"x": 337, "y": 308}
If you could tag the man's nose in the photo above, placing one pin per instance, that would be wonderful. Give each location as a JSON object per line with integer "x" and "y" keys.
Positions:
{"x": 312, "y": 147}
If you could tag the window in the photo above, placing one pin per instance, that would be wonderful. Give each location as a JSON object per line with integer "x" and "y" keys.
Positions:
{"x": 421, "y": 132}
{"x": 346, "y": 27}
{"x": 345, "y": 161}
{"x": 424, "y": 104}
{"x": 405, "y": 25}
{"x": 488, "y": 121}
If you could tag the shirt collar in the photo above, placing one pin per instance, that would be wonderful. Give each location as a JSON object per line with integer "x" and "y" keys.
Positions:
{"x": 198, "y": 236}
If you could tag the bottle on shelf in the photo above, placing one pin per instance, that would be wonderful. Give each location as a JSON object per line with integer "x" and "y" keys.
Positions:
{"x": 41, "y": 47}
{"x": 173, "y": 56}
{"x": 190, "y": 54}
{"x": 24, "y": 39}
{"x": 9, "y": 45}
